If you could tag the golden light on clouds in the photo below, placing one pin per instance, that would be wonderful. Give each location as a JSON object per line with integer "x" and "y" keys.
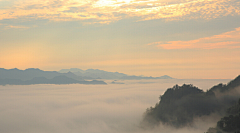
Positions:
{"x": 226, "y": 40}
{"x": 53, "y": 34}
{"x": 106, "y": 11}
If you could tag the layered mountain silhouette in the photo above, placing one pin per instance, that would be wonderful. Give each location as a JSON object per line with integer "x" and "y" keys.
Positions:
{"x": 64, "y": 76}
{"x": 37, "y": 76}
{"x": 101, "y": 74}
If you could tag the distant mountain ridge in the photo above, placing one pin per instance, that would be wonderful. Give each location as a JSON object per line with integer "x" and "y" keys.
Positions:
{"x": 65, "y": 76}
{"x": 30, "y": 73}
{"x": 37, "y": 76}
{"x": 101, "y": 74}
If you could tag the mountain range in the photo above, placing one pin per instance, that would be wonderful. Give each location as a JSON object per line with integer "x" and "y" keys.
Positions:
{"x": 101, "y": 74}
{"x": 64, "y": 76}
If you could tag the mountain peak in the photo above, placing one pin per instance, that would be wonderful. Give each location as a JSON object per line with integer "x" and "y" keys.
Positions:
{"x": 32, "y": 69}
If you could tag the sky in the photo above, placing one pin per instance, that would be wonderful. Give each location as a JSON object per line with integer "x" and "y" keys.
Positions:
{"x": 179, "y": 38}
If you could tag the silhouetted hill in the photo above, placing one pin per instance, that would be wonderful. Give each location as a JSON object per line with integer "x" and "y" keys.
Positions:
{"x": 11, "y": 82}
{"x": 37, "y": 76}
{"x": 43, "y": 80}
{"x": 116, "y": 82}
{"x": 71, "y": 70}
{"x": 230, "y": 123}
{"x": 31, "y": 73}
{"x": 179, "y": 105}
{"x": 100, "y": 74}
{"x": 231, "y": 85}
{"x": 38, "y": 80}
{"x": 63, "y": 80}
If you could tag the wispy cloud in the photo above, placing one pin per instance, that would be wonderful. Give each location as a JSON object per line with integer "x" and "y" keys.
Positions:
{"x": 16, "y": 27}
{"x": 226, "y": 40}
{"x": 106, "y": 11}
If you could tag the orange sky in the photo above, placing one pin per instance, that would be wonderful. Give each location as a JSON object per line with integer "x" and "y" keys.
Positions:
{"x": 179, "y": 38}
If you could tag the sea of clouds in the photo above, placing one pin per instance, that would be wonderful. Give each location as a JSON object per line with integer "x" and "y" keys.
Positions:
{"x": 112, "y": 108}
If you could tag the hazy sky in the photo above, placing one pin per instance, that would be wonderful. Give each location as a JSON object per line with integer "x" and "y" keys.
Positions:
{"x": 180, "y": 38}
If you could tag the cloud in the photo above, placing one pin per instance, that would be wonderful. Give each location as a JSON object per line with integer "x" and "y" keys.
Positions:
{"x": 114, "y": 10}
{"x": 16, "y": 27}
{"x": 226, "y": 40}
{"x": 80, "y": 108}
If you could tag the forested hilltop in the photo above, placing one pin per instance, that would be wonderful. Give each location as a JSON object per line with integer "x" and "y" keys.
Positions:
{"x": 230, "y": 123}
{"x": 179, "y": 105}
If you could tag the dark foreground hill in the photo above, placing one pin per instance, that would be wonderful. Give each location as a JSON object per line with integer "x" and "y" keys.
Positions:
{"x": 230, "y": 123}
{"x": 179, "y": 105}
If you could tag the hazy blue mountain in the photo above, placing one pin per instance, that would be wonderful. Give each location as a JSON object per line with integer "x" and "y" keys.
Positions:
{"x": 142, "y": 77}
{"x": 64, "y": 76}
{"x": 71, "y": 70}
{"x": 31, "y": 73}
{"x": 11, "y": 82}
{"x": 101, "y": 74}
{"x": 38, "y": 80}
{"x": 164, "y": 77}
{"x": 42, "y": 80}
{"x": 116, "y": 82}
{"x": 37, "y": 76}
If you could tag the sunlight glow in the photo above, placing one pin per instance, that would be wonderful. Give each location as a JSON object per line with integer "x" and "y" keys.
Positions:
{"x": 106, "y": 11}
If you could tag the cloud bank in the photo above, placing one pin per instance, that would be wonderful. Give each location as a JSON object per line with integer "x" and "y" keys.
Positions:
{"x": 84, "y": 108}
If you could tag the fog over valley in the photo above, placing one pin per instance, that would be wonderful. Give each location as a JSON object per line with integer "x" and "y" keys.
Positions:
{"x": 112, "y": 108}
